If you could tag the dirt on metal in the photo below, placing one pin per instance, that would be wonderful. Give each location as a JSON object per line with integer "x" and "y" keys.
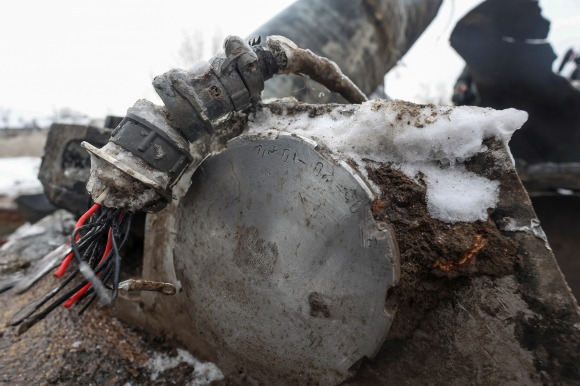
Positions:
{"x": 476, "y": 304}
{"x": 435, "y": 264}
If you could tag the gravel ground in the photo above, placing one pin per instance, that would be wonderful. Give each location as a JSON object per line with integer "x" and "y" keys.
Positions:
{"x": 68, "y": 349}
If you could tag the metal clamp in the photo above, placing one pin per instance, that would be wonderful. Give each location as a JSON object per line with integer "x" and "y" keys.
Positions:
{"x": 151, "y": 144}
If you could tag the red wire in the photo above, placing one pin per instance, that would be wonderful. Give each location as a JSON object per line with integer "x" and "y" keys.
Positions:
{"x": 82, "y": 291}
{"x": 66, "y": 261}
{"x": 77, "y": 296}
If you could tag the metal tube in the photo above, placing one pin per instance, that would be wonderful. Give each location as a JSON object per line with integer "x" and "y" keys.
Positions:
{"x": 365, "y": 38}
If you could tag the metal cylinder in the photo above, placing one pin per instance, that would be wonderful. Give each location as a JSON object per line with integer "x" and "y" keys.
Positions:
{"x": 365, "y": 38}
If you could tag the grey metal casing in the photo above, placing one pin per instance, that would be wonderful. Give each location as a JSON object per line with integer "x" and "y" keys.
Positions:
{"x": 285, "y": 268}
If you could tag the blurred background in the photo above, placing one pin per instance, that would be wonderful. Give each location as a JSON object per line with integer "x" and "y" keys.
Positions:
{"x": 73, "y": 61}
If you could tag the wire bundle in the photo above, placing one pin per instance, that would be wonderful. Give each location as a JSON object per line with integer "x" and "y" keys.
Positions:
{"x": 95, "y": 243}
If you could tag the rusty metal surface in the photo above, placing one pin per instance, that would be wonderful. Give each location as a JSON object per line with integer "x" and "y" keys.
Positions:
{"x": 285, "y": 269}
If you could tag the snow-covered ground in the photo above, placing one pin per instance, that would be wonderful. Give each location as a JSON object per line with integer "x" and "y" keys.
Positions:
{"x": 19, "y": 176}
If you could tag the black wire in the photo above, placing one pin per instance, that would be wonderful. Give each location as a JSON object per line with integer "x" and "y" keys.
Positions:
{"x": 88, "y": 302}
{"x": 104, "y": 265}
{"x": 129, "y": 220}
{"x": 106, "y": 270}
{"x": 89, "y": 249}
{"x": 33, "y": 319}
{"x": 123, "y": 234}
{"x": 90, "y": 236}
{"x": 126, "y": 222}
{"x": 94, "y": 252}
{"x": 117, "y": 260}
{"x": 52, "y": 293}
{"x": 106, "y": 274}
{"x": 111, "y": 215}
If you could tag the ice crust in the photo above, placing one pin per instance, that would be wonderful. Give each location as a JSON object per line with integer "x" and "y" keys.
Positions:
{"x": 423, "y": 141}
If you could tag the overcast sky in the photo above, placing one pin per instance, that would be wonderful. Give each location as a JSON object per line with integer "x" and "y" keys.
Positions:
{"x": 432, "y": 66}
{"x": 99, "y": 57}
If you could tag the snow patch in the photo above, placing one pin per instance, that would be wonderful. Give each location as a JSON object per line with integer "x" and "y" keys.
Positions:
{"x": 203, "y": 374}
{"x": 454, "y": 194}
{"x": 421, "y": 140}
{"x": 18, "y": 176}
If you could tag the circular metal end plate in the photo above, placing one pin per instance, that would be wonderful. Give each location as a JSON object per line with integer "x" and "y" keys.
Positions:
{"x": 284, "y": 266}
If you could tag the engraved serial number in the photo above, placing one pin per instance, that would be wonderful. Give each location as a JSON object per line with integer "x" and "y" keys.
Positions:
{"x": 283, "y": 154}
{"x": 326, "y": 174}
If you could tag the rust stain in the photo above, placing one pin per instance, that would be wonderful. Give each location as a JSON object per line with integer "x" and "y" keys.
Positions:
{"x": 377, "y": 207}
{"x": 465, "y": 257}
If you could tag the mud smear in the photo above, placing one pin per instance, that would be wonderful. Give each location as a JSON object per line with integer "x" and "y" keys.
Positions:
{"x": 436, "y": 258}
{"x": 475, "y": 304}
